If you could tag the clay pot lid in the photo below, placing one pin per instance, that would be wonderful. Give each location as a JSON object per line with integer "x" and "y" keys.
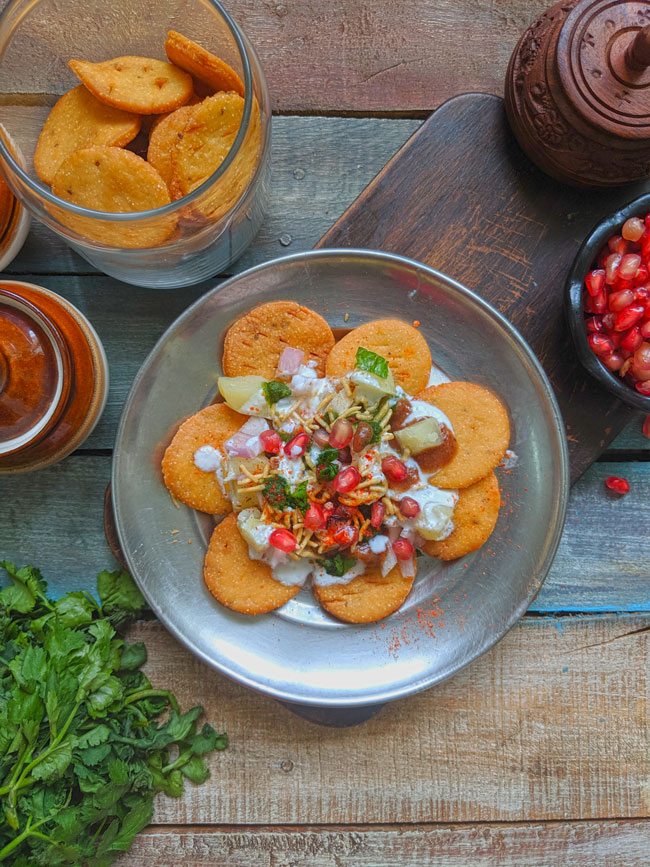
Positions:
{"x": 33, "y": 366}
{"x": 603, "y": 56}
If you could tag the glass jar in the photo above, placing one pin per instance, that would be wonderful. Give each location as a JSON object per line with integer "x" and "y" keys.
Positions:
{"x": 53, "y": 377}
{"x": 188, "y": 240}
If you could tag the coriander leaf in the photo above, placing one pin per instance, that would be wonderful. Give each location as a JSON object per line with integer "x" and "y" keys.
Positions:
{"x": 133, "y": 656}
{"x": 54, "y": 762}
{"x": 26, "y": 589}
{"x": 75, "y": 609}
{"x": 99, "y": 734}
{"x": 327, "y": 473}
{"x": 195, "y": 770}
{"x": 376, "y": 431}
{"x": 327, "y": 455}
{"x": 299, "y": 497}
{"x": 208, "y": 740}
{"x": 371, "y": 362}
{"x": 275, "y": 391}
{"x": 121, "y": 600}
{"x": 285, "y": 437}
{"x": 133, "y": 823}
{"x": 338, "y": 565}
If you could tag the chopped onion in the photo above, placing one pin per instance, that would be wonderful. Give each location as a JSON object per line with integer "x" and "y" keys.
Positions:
{"x": 394, "y": 532}
{"x": 246, "y": 442}
{"x": 407, "y": 567}
{"x": 412, "y": 536}
{"x": 388, "y": 562}
{"x": 289, "y": 362}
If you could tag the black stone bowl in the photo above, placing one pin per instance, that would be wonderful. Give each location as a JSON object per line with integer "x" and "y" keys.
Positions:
{"x": 582, "y": 264}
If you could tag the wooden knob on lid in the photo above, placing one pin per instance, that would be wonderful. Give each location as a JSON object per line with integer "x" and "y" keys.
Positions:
{"x": 601, "y": 56}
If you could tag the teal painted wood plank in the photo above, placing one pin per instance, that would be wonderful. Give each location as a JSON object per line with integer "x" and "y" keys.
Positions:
{"x": 53, "y": 519}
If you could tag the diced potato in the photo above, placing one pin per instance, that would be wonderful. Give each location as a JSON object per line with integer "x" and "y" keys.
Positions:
{"x": 237, "y": 391}
{"x": 339, "y": 403}
{"x": 370, "y": 386}
{"x": 245, "y": 499}
{"x": 423, "y": 434}
{"x": 253, "y": 530}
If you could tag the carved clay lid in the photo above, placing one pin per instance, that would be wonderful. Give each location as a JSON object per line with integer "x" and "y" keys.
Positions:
{"x": 603, "y": 57}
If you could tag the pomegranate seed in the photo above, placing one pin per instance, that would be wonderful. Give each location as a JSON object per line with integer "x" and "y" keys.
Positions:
{"x": 594, "y": 323}
{"x": 608, "y": 321}
{"x": 628, "y": 317}
{"x": 611, "y": 267}
{"x": 632, "y": 339}
{"x": 587, "y": 305}
{"x": 639, "y": 374}
{"x": 271, "y": 442}
{"x": 346, "y": 480}
{"x": 620, "y": 284}
{"x": 345, "y": 535}
{"x": 627, "y": 364}
{"x": 642, "y": 357}
{"x": 644, "y": 328}
{"x": 283, "y": 540}
{"x": 297, "y": 446}
{"x": 394, "y": 469}
{"x": 633, "y": 229}
{"x": 600, "y": 344}
{"x": 341, "y": 434}
{"x": 641, "y": 276}
{"x": 645, "y": 428}
{"x": 643, "y": 388}
{"x": 617, "y": 244}
{"x": 629, "y": 265}
{"x": 616, "y": 484}
{"x": 595, "y": 281}
{"x": 362, "y": 436}
{"x": 403, "y": 549}
{"x": 345, "y": 455}
{"x": 614, "y": 361}
{"x": 315, "y": 518}
{"x": 409, "y": 507}
{"x": 620, "y": 300}
{"x": 377, "y": 513}
{"x": 599, "y": 302}
{"x": 616, "y": 337}
{"x": 321, "y": 438}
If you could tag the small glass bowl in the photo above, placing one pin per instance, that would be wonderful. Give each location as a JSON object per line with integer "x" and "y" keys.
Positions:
{"x": 196, "y": 236}
{"x": 573, "y": 297}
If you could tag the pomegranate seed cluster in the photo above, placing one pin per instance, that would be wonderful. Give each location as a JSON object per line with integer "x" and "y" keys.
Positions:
{"x": 616, "y": 304}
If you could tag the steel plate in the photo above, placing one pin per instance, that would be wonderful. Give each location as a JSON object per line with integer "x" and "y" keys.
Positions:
{"x": 456, "y": 611}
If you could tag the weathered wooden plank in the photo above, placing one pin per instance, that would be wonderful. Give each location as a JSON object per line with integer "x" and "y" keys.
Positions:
{"x": 374, "y": 55}
{"x": 550, "y": 724}
{"x": 53, "y": 519}
{"x": 582, "y": 844}
{"x": 319, "y": 165}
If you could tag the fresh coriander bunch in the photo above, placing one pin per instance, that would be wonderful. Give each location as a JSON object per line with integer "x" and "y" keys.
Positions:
{"x": 84, "y": 745}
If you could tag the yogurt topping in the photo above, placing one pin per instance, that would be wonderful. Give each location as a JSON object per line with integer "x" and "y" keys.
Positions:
{"x": 307, "y": 505}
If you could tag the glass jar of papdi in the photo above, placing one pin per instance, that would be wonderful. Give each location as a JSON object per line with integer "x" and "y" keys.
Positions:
{"x": 213, "y": 195}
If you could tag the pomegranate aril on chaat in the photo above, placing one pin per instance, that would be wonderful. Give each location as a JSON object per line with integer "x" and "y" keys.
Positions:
{"x": 616, "y": 304}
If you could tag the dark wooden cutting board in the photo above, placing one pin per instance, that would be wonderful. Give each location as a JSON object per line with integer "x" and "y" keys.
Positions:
{"x": 462, "y": 197}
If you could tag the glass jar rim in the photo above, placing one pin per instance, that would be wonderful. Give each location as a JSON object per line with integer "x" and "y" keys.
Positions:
{"x": 40, "y": 190}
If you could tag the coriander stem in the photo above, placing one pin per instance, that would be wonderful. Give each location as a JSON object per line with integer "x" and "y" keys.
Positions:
{"x": 184, "y": 757}
{"x": 29, "y": 830}
{"x": 150, "y": 693}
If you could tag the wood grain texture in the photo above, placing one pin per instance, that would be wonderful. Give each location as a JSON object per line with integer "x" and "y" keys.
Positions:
{"x": 373, "y": 55}
{"x": 539, "y": 844}
{"x": 461, "y": 196}
{"x": 53, "y": 518}
{"x": 552, "y": 723}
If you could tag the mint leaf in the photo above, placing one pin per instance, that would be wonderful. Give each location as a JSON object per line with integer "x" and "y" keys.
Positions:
{"x": 371, "y": 362}
{"x": 299, "y": 497}
{"x": 275, "y": 391}
{"x": 338, "y": 565}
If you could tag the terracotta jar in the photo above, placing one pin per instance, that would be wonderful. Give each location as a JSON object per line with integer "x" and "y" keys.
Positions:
{"x": 578, "y": 91}
{"x": 53, "y": 377}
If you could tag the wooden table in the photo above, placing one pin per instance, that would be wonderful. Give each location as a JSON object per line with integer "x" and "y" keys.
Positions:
{"x": 536, "y": 754}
